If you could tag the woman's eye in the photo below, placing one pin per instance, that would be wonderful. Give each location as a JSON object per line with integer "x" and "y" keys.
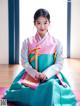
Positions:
{"x": 45, "y": 23}
{"x": 38, "y": 23}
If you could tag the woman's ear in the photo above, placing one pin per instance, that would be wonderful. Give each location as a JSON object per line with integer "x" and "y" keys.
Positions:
{"x": 49, "y": 22}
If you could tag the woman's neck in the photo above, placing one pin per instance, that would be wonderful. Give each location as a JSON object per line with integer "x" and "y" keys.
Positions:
{"x": 42, "y": 35}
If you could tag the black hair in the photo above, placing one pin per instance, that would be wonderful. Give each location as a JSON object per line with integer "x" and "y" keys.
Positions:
{"x": 41, "y": 12}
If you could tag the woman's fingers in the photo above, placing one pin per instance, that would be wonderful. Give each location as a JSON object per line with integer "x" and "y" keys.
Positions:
{"x": 37, "y": 75}
{"x": 42, "y": 76}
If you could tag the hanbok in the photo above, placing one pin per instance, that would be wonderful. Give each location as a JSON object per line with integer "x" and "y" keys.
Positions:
{"x": 55, "y": 91}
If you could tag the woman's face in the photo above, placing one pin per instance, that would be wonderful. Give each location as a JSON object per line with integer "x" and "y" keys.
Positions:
{"x": 42, "y": 24}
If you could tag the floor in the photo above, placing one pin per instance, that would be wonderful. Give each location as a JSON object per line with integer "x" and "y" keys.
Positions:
{"x": 71, "y": 70}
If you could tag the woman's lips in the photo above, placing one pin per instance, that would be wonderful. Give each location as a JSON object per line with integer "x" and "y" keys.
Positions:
{"x": 41, "y": 29}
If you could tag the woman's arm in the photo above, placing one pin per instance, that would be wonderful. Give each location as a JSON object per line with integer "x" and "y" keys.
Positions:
{"x": 55, "y": 68}
{"x": 24, "y": 60}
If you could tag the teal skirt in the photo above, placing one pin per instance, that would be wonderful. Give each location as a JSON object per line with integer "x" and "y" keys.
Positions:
{"x": 49, "y": 93}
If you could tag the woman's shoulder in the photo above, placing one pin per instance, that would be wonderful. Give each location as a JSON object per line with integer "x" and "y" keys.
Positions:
{"x": 28, "y": 39}
{"x": 57, "y": 41}
{"x": 25, "y": 41}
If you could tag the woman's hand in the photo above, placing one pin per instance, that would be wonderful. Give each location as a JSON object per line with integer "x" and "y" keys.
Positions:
{"x": 41, "y": 76}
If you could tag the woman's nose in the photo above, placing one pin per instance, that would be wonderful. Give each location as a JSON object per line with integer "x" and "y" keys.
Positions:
{"x": 42, "y": 26}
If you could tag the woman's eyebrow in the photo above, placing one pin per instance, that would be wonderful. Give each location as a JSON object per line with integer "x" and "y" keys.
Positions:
{"x": 41, "y": 21}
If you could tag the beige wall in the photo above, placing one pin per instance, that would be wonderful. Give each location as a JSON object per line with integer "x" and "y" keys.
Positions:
{"x": 3, "y": 31}
{"x": 75, "y": 29}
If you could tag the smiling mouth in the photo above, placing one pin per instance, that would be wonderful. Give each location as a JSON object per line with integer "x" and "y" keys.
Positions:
{"x": 41, "y": 29}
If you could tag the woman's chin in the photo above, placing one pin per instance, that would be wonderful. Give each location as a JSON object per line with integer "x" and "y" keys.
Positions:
{"x": 42, "y": 34}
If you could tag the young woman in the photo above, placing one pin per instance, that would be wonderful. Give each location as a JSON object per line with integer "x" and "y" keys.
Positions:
{"x": 42, "y": 60}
